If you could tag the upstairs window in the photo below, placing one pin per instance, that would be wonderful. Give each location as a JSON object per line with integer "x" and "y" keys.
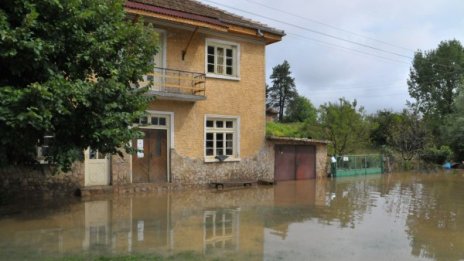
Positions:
{"x": 222, "y": 59}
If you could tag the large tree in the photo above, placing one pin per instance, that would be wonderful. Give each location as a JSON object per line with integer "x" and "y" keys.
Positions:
{"x": 435, "y": 77}
{"x": 408, "y": 135}
{"x": 382, "y": 123}
{"x": 66, "y": 71}
{"x": 453, "y": 128}
{"x": 283, "y": 89}
{"x": 301, "y": 109}
{"x": 344, "y": 125}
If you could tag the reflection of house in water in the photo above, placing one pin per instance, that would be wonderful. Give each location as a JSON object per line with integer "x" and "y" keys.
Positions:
{"x": 97, "y": 225}
{"x": 150, "y": 219}
{"x": 151, "y": 225}
{"x": 221, "y": 230}
{"x": 215, "y": 224}
{"x": 293, "y": 202}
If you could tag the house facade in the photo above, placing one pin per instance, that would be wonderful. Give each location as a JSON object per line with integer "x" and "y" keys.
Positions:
{"x": 207, "y": 121}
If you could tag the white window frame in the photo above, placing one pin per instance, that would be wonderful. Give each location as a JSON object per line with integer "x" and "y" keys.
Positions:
{"x": 236, "y": 137}
{"x": 235, "y": 59}
{"x": 41, "y": 147}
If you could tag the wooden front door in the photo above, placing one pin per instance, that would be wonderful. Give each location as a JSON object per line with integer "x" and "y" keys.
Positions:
{"x": 294, "y": 162}
{"x": 150, "y": 162}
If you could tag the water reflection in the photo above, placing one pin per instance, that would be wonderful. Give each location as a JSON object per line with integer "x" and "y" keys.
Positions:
{"x": 396, "y": 216}
{"x": 221, "y": 230}
{"x": 97, "y": 226}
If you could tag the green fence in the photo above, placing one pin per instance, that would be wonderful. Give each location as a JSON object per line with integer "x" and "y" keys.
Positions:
{"x": 352, "y": 165}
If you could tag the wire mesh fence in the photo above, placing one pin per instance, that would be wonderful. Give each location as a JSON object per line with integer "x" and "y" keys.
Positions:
{"x": 351, "y": 165}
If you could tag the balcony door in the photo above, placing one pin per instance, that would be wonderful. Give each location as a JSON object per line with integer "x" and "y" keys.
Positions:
{"x": 159, "y": 61}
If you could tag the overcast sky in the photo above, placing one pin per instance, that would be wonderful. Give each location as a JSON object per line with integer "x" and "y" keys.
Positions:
{"x": 357, "y": 49}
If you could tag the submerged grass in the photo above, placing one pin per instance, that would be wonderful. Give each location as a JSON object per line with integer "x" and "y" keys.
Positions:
{"x": 182, "y": 256}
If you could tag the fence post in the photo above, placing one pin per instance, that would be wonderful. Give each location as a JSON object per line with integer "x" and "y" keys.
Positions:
{"x": 381, "y": 164}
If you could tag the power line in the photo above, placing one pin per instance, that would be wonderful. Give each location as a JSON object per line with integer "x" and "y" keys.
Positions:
{"x": 328, "y": 25}
{"x": 329, "y": 89}
{"x": 361, "y": 96}
{"x": 313, "y": 31}
{"x": 347, "y": 49}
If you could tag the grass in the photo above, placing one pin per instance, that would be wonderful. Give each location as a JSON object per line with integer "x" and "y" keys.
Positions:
{"x": 277, "y": 129}
{"x": 293, "y": 130}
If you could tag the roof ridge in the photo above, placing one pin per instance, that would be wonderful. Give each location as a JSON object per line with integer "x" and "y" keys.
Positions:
{"x": 231, "y": 14}
{"x": 196, "y": 7}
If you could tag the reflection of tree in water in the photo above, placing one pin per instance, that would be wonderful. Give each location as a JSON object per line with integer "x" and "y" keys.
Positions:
{"x": 435, "y": 219}
{"x": 349, "y": 199}
{"x": 346, "y": 202}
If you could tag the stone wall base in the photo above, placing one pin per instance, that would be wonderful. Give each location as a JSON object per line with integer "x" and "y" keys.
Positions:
{"x": 39, "y": 182}
{"x": 186, "y": 171}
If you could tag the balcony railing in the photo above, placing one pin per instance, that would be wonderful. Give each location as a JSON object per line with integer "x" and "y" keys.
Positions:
{"x": 176, "y": 84}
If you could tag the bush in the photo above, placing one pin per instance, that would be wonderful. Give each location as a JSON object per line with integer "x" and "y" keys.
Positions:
{"x": 437, "y": 155}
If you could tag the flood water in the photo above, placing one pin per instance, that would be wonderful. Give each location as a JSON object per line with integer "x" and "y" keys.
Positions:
{"x": 401, "y": 216}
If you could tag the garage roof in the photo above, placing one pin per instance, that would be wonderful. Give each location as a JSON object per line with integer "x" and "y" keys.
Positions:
{"x": 298, "y": 140}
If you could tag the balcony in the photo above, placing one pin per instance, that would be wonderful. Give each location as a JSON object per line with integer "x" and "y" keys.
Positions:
{"x": 168, "y": 84}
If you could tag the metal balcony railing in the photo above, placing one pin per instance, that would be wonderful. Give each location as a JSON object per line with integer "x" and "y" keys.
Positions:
{"x": 175, "y": 82}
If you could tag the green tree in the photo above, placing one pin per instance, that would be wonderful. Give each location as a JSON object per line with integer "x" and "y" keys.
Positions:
{"x": 434, "y": 81}
{"x": 283, "y": 89}
{"x": 301, "y": 109}
{"x": 344, "y": 125}
{"x": 66, "y": 70}
{"x": 408, "y": 135}
{"x": 381, "y": 126}
{"x": 453, "y": 129}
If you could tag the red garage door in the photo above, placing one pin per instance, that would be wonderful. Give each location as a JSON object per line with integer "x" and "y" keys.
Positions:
{"x": 295, "y": 162}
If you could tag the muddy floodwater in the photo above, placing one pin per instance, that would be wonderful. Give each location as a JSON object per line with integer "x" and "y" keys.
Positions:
{"x": 400, "y": 216}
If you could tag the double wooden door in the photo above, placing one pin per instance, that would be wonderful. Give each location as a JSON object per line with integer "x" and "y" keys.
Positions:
{"x": 150, "y": 162}
{"x": 294, "y": 162}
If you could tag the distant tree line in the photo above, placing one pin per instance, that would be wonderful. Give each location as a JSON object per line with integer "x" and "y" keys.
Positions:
{"x": 431, "y": 128}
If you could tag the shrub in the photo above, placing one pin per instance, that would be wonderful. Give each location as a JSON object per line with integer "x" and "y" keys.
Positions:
{"x": 437, "y": 155}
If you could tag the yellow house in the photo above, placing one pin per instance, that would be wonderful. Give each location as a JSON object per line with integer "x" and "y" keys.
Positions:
{"x": 207, "y": 122}
{"x": 208, "y": 119}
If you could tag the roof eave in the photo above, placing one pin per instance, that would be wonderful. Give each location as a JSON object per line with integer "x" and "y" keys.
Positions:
{"x": 259, "y": 32}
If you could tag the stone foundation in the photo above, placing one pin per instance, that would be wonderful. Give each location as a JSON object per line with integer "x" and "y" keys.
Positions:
{"x": 17, "y": 182}
{"x": 121, "y": 169}
{"x": 39, "y": 182}
{"x": 186, "y": 171}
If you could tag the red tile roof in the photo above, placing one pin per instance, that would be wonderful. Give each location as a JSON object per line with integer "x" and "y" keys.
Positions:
{"x": 194, "y": 10}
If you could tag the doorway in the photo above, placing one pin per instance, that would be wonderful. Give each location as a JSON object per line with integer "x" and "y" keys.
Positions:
{"x": 150, "y": 163}
{"x": 97, "y": 168}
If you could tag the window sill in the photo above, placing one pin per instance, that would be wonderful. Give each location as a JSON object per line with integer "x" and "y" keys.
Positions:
{"x": 213, "y": 160}
{"x": 224, "y": 77}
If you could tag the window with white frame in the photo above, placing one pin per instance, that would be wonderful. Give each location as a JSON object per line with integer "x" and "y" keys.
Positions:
{"x": 222, "y": 58}
{"x": 43, "y": 149}
{"x": 155, "y": 120}
{"x": 221, "y": 138}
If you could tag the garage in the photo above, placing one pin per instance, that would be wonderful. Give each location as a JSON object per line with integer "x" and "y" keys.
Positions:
{"x": 295, "y": 162}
